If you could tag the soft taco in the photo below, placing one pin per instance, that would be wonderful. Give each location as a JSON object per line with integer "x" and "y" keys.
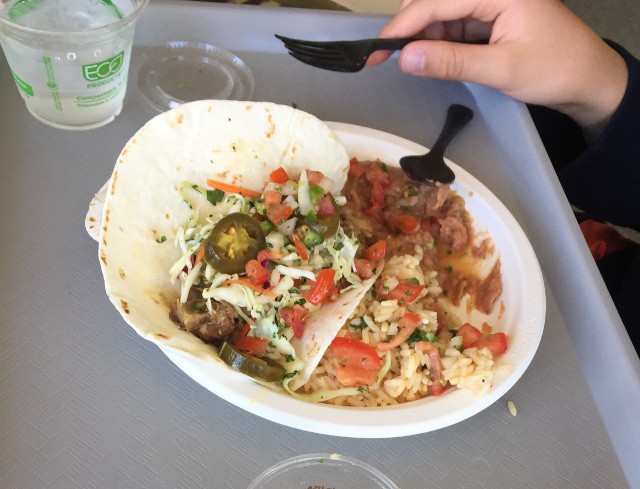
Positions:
{"x": 220, "y": 237}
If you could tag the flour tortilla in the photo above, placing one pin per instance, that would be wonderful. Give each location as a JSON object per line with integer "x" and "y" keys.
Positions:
{"x": 236, "y": 142}
{"x": 323, "y": 326}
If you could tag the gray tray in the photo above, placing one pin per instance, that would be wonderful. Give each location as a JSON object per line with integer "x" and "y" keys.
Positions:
{"x": 86, "y": 403}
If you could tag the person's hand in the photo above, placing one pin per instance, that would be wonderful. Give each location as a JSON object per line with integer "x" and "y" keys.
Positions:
{"x": 538, "y": 52}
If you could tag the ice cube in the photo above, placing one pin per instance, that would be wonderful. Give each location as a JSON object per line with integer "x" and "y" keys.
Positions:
{"x": 62, "y": 15}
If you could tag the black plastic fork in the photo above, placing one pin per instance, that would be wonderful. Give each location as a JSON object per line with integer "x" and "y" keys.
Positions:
{"x": 344, "y": 56}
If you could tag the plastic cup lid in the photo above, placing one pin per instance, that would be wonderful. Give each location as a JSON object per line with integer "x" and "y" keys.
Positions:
{"x": 178, "y": 72}
{"x": 322, "y": 470}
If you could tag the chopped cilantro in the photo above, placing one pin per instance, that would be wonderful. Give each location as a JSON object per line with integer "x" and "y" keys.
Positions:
{"x": 358, "y": 324}
{"x": 290, "y": 375}
{"x": 421, "y": 335}
{"x": 215, "y": 196}
{"x": 161, "y": 239}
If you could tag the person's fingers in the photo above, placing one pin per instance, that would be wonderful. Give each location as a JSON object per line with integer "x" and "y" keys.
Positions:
{"x": 378, "y": 57}
{"x": 419, "y": 14}
{"x": 437, "y": 19}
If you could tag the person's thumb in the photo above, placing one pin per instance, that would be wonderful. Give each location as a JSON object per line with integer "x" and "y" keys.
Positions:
{"x": 451, "y": 61}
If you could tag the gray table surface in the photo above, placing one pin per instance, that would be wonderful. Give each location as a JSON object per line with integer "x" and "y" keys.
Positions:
{"x": 86, "y": 403}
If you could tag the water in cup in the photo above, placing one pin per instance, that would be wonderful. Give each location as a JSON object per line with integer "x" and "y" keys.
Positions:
{"x": 70, "y": 58}
{"x": 63, "y": 15}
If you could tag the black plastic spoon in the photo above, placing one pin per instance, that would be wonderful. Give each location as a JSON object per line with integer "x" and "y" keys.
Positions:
{"x": 430, "y": 167}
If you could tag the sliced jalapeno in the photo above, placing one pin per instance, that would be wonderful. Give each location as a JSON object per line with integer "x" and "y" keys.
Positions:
{"x": 234, "y": 240}
{"x": 312, "y": 238}
{"x": 254, "y": 367}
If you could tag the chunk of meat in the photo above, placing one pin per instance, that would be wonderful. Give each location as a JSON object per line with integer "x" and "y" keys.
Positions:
{"x": 489, "y": 290}
{"x": 454, "y": 232}
{"x": 210, "y": 326}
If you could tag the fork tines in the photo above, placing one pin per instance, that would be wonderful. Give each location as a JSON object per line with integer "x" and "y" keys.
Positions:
{"x": 344, "y": 56}
{"x": 311, "y": 48}
{"x": 321, "y": 54}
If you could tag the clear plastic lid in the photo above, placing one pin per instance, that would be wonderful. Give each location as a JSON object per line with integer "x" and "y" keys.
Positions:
{"x": 322, "y": 470}
{"x": 179, "y": 71}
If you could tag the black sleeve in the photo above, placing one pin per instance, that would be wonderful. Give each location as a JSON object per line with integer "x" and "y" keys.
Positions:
{"x": 604, "y": 179}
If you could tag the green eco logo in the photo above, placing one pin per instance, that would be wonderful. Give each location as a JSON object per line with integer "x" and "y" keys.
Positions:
{"x": 23, "y": 85}
{"x": 103, "y": 69}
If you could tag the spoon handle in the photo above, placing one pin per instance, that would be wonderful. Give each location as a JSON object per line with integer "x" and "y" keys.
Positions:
{"x": 457, "y": 117}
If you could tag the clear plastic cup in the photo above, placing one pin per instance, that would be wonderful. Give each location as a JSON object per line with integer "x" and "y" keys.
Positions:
{"x": 322, "y": 470}
{"x": 72, "y": 78}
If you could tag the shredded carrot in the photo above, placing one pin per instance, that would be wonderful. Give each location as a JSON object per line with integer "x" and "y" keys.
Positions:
{"x": 199, "y": 255}
{"x": 234, "y": 189}
{"x": 247, "y": 283}
{"x": 300, "y": 247}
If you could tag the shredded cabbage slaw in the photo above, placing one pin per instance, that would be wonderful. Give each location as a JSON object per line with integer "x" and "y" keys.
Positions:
{"x": 290, "y": 275}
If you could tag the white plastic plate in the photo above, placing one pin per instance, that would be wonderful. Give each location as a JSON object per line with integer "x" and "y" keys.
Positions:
{"x": 521, "y": 318}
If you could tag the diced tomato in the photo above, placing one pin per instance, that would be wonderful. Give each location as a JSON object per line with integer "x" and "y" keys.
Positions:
{"x": 472, "y": 337}
{"x": 355, "y": 168}
{"x": 314, "y": 177}
{"x": 325, "y": 206}
{"x": 279, "y": 175}
{"x": 256, "y": 272}
{"x": 300, "y": 247}
{"x": 349, "y": 351}
{"x": 470, "y": 334}
{"x": 323, "y": 289}
{"x": 359, "y": 362}
{"x": 495, "y": 342}
{"x": 295, "y": 317}
{"x": 364, "y": 268}
{"x": 409, "y": 319}
{"x": 376, "y": 251}
{"x": 252, "y": 345}
{"x": 377, "y": 174}
{"x": 271, "y": 197}
{"x": 352, "y": 376}
{"x": 405, "y": 223}
{"x": 405, "y": 292}
{"x": 278, "y": 213}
